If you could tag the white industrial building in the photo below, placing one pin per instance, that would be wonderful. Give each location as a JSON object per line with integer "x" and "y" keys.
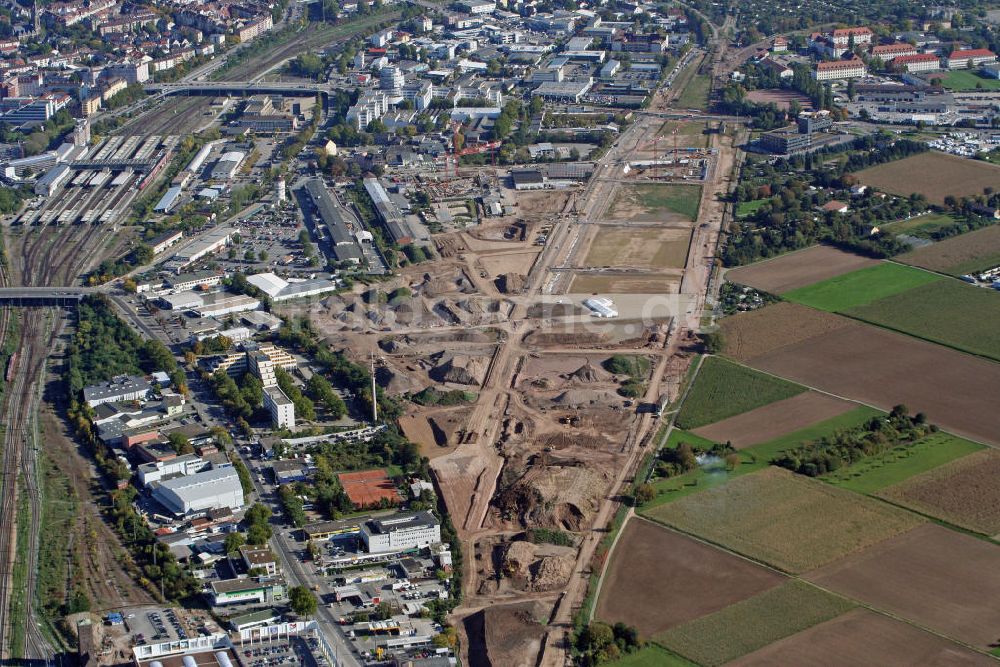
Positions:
{"x": 601, "y": 306}
{"x": 52, "y": 180}
{"x": 400, "y": 532}
{"x": 282, "y": 290}
{"x": 213, "y": 241}
{"x": 281, "y": 408}
{"x": 200, "y": 492}
{"x": 188, "y": 464}
{"x": 228, "y": 165}
{"x": 217, "y": 304}
{"x": 120, "y": 388}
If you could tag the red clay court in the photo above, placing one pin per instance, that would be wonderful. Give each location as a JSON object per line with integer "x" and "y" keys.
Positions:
{"x": 368, "y": 488}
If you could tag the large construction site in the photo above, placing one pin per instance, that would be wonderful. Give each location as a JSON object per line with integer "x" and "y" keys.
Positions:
{"x": 551, "y": 405}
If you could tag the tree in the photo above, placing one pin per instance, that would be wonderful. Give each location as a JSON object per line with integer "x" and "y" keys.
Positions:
{"x": 233, "y": 542}
{"x": 249, "y": 255}
{"x": 713, "y": 341}
{"x": 262, "y": 255}
{"x": 644, "y": 493}
{"x": 180, "y": 443}
{"x": 302, "y": 601}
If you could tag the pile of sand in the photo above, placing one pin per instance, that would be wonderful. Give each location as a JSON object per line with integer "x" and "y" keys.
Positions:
{"x": 459, "y": 369}
{"x": 538, "y": 567}
{"x": 556, "y": 496}
{"x": 510, "y": 283}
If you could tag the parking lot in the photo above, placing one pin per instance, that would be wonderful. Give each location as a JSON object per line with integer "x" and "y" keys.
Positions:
{"x": 155, "y": 625}
{"x": 292, "y": 651}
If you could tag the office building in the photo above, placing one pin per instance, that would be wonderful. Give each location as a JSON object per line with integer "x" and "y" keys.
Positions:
{"x": 400, "y": 532}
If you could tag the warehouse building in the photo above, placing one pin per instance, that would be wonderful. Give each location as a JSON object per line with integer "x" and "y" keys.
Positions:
{"x": 53, "y": 179}
{"x": 213, "y": 241}
{"x": 400, "y": 532}
{"x": 217, "y": 304}
{"x": 338, "y": 226}
{"x": 119, "y": 388}
{"x": 228, "y": 165}
{"x": 169, "y": 200}
{"x": 200, "y": 492}
{"x": 282, "y": 290}
{"x": 400, "y": 231}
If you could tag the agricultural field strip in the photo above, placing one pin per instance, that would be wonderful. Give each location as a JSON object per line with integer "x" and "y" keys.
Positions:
{"x": 797, "y": 578}
{"x": 861, "y": 287}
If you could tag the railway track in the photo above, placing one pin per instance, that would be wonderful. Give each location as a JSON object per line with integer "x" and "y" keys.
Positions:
{"x": 54, "y": 256}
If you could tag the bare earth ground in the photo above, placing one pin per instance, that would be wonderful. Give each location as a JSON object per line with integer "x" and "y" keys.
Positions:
{"x": 507, "y": 634}
{"x": 780, "y": 98}
{"x": 798, "y": 269}
{"x": 939, "y": 578}
{"x": 944, "y": 255}
{"x": 646, "y": 247}
{"x": 517, "y": 262}
{"x": 862, "y": 638}
{"x": 964, "y": 492}
{"x": 789, "y": 521}
{"x": 595, "y": 283}
{"x": 750, "y": 335}
{"x": 933, "y": 174}
{"x": 775, "y": 420}
{"x": 871, "y": 365}
{"x": 658, "y": 579}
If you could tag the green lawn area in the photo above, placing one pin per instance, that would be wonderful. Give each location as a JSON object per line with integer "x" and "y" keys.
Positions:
{"x": 900, "y": 463}
{"x": 681, "y": 199}
{"x": 966, "y": 80}
{"x": 651, "y": 656}
{"x": 746, "y": 208}
{"x": 921, "y": 225}
{"x": 724, "y": 389}
{"x": 751, "y": 459}
{"x": 695, "y": 93}
{"x": 948, "y": 312}
{"x": 860, "y": 287}
{"x": 753, "y": 623}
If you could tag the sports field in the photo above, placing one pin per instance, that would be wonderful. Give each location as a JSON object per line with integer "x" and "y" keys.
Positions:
{"x": 963, "y": 492}
{"x": 860, "y": 287}
{"x": 723, "y": 389}
{"x": 753, "y": 623}
{"x": 966, "y": 80}
{"x": 943, "y": 311}
{"x": 655, "y": 202}
{"x": 932, "y": 174}
{"x": 786, "y": 520}
{"x": 966, "y": 253}
{"x": 901, "y": 463}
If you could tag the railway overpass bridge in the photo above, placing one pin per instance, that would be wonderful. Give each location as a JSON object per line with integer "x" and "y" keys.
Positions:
{"x": 43, "y": 296}
{"x": 238, "y": 88}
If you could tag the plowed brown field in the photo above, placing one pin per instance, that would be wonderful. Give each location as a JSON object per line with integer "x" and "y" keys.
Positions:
{"x": 870, "y": 365}
{"x": 658, "y": 579}
{"x": 775, "y": 420}
{"x": 939, "y": 578}
{"x": 798, "y": 269}
{"x": 964, "y": 492}
{"x": 862, "y": 638}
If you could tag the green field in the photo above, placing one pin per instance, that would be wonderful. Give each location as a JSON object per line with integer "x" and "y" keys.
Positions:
{"x": 966, "y": 80}
{"x": 681, "y": 199}
{"x": 791, "y": 522}
{"x": 751, "y": 459}
{"x": 724, "y": 389}
{"x": 746, "y": 208}
{"x": 753, "y": 623}
{"x": 651, "y": 656}
{"x": 901, "y": 463}
{"x": 860, "y": 287}
{"x": 948, "y": 312}
{"x": 695, "y": 93}
{"x": 921, "y": 225}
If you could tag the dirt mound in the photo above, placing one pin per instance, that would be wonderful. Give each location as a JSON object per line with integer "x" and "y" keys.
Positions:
{"x": 538, "y": 567}
{"x": 506, "y": 635}
{"x": 584, "y": 398}
{"x": 588, "y": 374}
{"x": 510, "y": 283}
{"x": 563, "y": 497}
{"x": 459, "y": 369}
{"x": 540, "y": 338}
